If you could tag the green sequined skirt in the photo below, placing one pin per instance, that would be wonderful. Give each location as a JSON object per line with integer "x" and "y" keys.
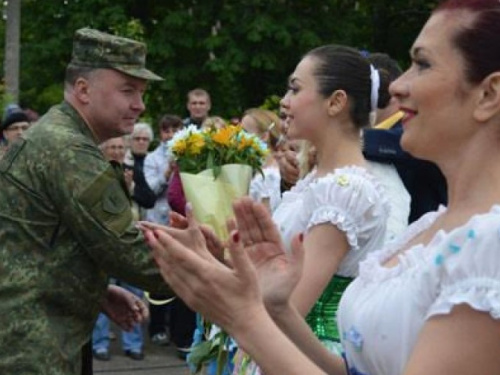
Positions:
{"x": 323, "y": 317}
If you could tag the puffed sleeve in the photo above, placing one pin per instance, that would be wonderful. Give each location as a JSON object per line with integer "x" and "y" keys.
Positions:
{"x": 267, "y": 186}
{"x": 257, "y": 188}
{"x": 353, "y": 202}
{"x": 467, "y": 267}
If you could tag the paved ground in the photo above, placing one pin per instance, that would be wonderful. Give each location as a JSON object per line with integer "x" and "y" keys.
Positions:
{"x": 159, "y": 360}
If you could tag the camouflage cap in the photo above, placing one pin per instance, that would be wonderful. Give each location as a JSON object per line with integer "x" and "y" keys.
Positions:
{"x": 95, "y": 49}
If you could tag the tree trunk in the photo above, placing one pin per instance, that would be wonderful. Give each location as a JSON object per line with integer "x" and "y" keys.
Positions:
{"x": 12, "y": 48}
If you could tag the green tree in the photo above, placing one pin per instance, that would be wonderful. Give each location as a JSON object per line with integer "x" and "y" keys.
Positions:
{"x": 241, "y": 51}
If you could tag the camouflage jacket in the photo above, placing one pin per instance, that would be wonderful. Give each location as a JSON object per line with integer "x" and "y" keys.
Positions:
{"x": 65, "y": 228}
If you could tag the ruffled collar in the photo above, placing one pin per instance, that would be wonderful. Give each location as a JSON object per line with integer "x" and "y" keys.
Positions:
{"x": 311, "y": 178}
{"x": 373, "y": 269}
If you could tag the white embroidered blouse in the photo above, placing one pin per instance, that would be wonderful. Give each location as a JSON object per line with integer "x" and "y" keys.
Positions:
{"x": 349, "y": 198}
{"x": 382, "y": 312}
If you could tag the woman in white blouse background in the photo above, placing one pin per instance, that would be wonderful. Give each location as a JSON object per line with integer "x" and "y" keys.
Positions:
{"x": 266, "y": 125}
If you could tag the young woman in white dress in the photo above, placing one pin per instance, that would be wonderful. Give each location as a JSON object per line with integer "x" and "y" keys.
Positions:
{"x": 339, "y": 206}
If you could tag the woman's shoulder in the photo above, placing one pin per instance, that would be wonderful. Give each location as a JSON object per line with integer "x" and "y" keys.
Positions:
{"x": 351, "y": 199}
{"x": 352, "y": 187}
{"x": 466, "y": 265}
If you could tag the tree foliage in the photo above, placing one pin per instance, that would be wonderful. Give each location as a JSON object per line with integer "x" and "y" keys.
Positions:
{"x": 241, "y": 51}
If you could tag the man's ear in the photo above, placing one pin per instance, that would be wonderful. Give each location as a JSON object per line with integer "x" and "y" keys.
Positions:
{"x": 81, "y": 90}
{"x": 488, "y": 103}
{"x": 336, "y": 102}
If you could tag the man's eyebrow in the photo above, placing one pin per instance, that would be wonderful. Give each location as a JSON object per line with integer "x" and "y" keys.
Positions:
{"x": 292, "y": 79}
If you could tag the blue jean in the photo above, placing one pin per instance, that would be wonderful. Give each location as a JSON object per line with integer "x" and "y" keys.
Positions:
{"x": 100, "y": 334}
{"x": 132, "y": 341}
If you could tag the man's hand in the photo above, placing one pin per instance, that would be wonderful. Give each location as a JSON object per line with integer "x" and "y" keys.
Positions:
{"x": 129, "y": 178}
{"x": 289, "y": 167}
{"x": 185, "y": 230}
{"x": 169, "y": 170}
{"x": 226, "y": 296}
{"x": 124, "y": 308}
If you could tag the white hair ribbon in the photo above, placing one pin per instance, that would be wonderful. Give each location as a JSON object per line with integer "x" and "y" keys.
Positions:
{"x": 375, "y": 78}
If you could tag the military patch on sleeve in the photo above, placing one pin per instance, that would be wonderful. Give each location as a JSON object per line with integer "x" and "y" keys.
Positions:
{"x": 108, "y": 202}
{"x": 114, "y": 201}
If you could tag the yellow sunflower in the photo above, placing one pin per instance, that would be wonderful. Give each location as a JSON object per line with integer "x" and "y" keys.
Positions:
{"x": 225, "y": 135}
{"x": 245, "y": 143}
{"x": 179, "y": 147}
{"x": 195, "y": 143}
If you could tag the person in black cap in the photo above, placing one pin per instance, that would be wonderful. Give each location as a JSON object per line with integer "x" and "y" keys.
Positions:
{"x": 13, "y": 126}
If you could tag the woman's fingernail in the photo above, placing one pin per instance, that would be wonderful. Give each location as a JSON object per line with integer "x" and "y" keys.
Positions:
{"x": 155, "y": 232}
{"x": 236, "y": 237}
{"x": 301, "y": 237}
{"x": 147, "y": 237}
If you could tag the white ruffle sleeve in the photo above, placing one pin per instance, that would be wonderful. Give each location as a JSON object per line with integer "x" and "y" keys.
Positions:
{"x": 467, "y": 266}
{"x": 266, "y": 186}
{"x": 352, "y": 200}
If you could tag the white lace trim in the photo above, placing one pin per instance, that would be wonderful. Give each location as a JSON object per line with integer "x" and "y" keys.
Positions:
{"x": 481, "y": 293}
{"x": 342, "y": 221}
{"x": 372, "y": 269}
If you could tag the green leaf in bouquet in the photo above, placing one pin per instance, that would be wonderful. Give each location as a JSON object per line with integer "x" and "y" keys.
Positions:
{"x": 222, "y": 359}
{"x": 230, "y": 155}
{"x": 217, "y": 170}
{"x": 202, "y": 353}
{"x": 210, "y": 161}
{"x": 260, "y": 171}
{"x": 188, "y": 165}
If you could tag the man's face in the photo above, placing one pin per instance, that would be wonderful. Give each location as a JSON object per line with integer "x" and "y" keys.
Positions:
{"x": 113, "y": 102}
{"x": 15, "y": 131}
{"x": 140, "y": 143}
{"x": 198, "y": 107}
{"x": 114, "y": 149}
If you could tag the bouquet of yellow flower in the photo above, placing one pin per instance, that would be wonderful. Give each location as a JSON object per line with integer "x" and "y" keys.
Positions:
{"x": 216, "y": 167}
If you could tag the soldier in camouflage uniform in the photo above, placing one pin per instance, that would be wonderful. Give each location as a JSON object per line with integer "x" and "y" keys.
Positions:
{"x": 65, "y": 218}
